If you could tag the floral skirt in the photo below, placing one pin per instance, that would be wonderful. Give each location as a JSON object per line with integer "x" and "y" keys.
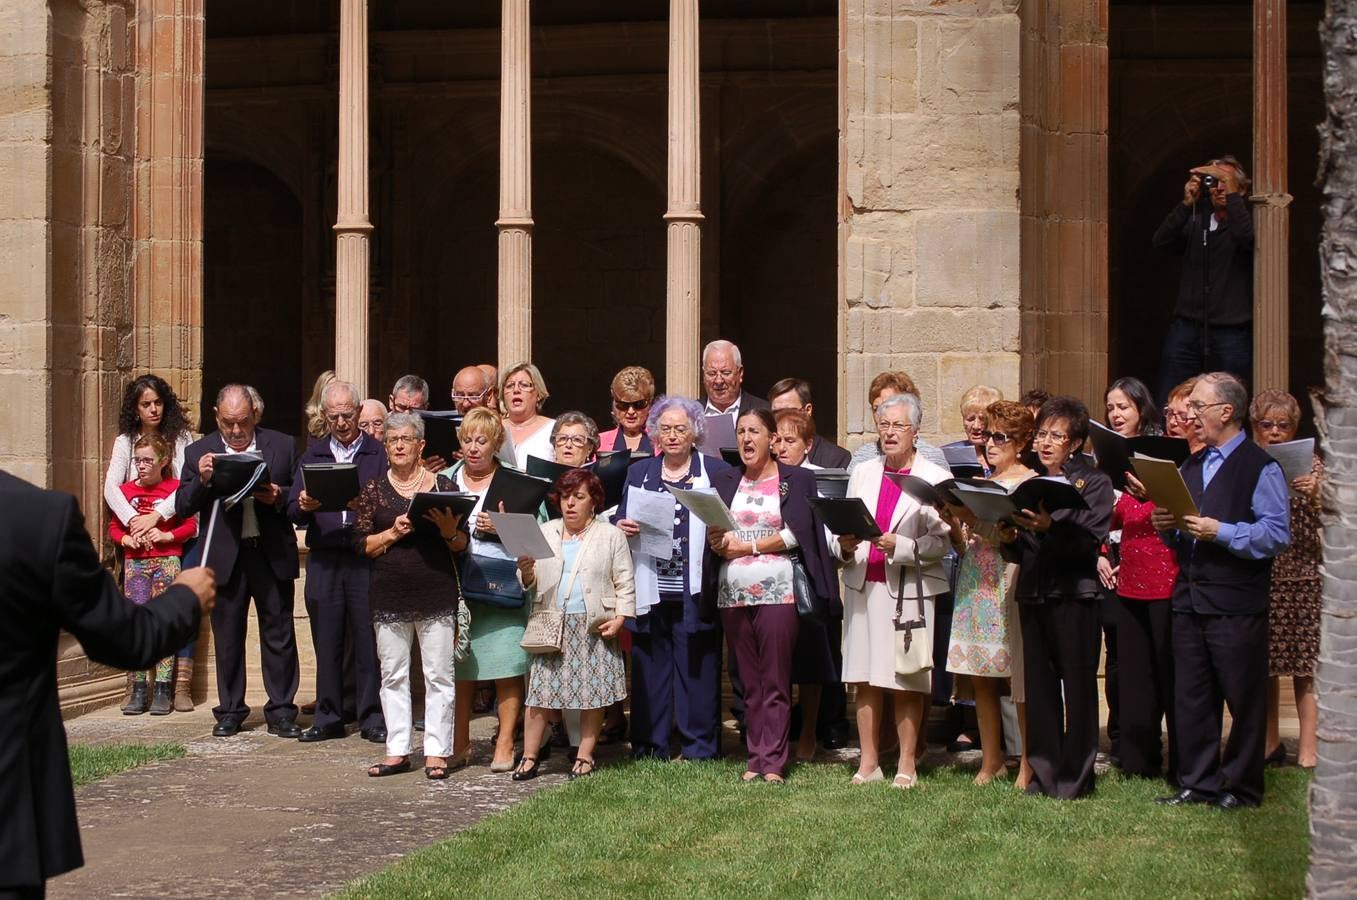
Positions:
{"x": 588, "y": 673}
{"x": 145, "y": 579}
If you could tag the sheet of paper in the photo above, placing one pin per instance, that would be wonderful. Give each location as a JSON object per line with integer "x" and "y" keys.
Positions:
{"x": 720, "y": 433}
{"x": 1296, "y": 457}
{"x": 708, "y": 507}
{"x": 1165, "y": 485}
{"x": 654, "y": 512}
{"x": 521, "y": 535}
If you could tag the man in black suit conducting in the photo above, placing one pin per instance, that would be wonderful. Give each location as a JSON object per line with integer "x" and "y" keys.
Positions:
{"x": 51, "y": 579}
{"x": 254, "y": 553}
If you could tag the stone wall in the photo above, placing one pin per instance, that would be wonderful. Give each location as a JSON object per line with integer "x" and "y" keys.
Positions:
{"x": 1064, "y": 197}
{"x": 928, "y": 238}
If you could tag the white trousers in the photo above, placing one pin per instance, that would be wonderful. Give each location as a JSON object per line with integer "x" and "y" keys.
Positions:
{"x": 436, "y": 640}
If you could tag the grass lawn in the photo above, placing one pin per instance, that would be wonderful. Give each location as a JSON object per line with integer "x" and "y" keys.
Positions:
{"x": 92, "y": 763}
{"x": 693, "y": 830}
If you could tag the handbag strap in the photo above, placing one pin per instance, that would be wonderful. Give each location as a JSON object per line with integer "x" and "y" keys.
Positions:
{"x": 918, "y": 595}
{"x": 563, "y": 599}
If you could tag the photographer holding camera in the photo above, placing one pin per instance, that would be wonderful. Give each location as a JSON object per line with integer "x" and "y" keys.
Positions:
{"x": 1213, "y": 318}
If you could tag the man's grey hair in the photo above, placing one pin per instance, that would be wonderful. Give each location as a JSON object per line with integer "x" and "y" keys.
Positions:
{"x": 577, "y": 418}
{"x": 251, "y": 396}
{"x": 411, "y": 384}
{"x": 405, "y": 420}
{"x": 327, "y": 395}
{"x": 1231, "y": 390}
{"x": 722, "y": 345}
{"x": 911, "y": 404}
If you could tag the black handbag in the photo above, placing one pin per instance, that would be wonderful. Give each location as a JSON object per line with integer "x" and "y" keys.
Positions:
{"x": 492, "y": 581}
{"x": 809, "y": 604}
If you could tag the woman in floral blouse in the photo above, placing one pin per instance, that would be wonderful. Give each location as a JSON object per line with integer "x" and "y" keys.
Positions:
{"x": 749, "y": 574}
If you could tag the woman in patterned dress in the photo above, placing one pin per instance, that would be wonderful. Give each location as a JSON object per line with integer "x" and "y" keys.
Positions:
{"x": 984, "y": 619}
{"x": 1295, "y": 603}
{"x": 592, "y": 581}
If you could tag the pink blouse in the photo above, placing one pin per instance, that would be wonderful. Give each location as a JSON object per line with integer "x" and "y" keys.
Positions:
{"x": 885, "y": 508}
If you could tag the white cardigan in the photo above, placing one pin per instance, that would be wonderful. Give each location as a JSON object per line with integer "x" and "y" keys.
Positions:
{"x": 916, "y": 526}
{"x": 605, "y": 571}
{"x": 120, "y": 471}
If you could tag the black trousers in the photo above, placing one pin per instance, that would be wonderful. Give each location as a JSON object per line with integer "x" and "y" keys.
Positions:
{"x": 1145, "y": 651}
{"x": 833, "y": 697}
{"x": 1221, "y": 659}
{"x": 1060, "y": 645}
{"x": 27, "y": 892}
{"x": 337, "y": 601}
{"x": 1110, "y": 608}
{"x": 273, "y": 599}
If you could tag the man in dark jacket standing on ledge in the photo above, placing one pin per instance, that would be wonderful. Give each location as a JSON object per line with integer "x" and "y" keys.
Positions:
{"x": 51, "y": 579}
{"x": 1212, "y": 229}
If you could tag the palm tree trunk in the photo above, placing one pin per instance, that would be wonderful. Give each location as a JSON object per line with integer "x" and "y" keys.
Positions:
{"x": 1333, "y": 795}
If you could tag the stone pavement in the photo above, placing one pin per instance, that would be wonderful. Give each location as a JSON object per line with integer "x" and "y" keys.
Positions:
{"x": 263, "y": 815}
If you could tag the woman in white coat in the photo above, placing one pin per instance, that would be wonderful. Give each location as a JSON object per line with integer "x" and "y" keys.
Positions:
{"x": 883, "y": 580}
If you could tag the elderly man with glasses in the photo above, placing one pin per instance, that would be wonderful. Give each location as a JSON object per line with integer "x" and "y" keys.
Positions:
{"x": 1220, "y": 599}
{"x": 337, "y": 576}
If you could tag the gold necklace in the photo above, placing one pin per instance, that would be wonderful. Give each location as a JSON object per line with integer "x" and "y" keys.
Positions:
{"x": 405, "y": 488}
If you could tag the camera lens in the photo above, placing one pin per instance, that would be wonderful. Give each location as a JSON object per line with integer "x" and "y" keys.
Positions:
{"x": 1210, "y": 181}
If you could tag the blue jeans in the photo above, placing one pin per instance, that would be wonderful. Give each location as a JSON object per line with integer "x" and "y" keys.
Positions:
{"x": 1192, "y": 349}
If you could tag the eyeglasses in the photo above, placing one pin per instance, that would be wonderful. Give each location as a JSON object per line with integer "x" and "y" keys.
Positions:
{"x": 997, "y": 437}
{"x": 335, "y": 417}
{"x": 1270, "y": 424}
{"x": 893, "y": 427}
{"x": 727, "y": 374}
{"x": 519, "y": 387}
{"x": 144, "y": 460}
{"x": 570, "y": 440}
{"x": 1054, "y": 437}
{"x": 1174, "y": 416}
{"x": 636, "y": 405}
{"x": 469, "y": 398}
{"x": 400, "y": 440}
{"x": 676, "y": 430}
{"x": 1196, "y": 407}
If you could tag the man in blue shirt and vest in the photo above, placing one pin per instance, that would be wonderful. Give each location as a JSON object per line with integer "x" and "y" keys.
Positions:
{"x": 1220, "y": 599}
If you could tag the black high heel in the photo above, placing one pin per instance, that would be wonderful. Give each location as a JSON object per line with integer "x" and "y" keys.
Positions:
{"x": 522, "y": 774}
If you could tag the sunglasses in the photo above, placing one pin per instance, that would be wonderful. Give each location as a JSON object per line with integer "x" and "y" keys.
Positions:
{"x": 998, "y": 438}
{"x": 635, "y": 405}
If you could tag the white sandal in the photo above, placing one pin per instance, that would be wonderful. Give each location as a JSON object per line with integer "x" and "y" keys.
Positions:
{"x": 874, "y": 775}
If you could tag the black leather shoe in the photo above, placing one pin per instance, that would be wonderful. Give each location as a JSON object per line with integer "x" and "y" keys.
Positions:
{"x": 1228, "y": 801}
{"x": 226, "y": 728}
{"x": 317, "y": 733}
{"x": 1185, "y": 797}
{"x": 286, "y": 728}
{"x": 376, "y": 735}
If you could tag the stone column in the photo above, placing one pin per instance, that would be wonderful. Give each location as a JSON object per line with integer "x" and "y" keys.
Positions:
{"x": 167, "y": 195}
{"x": 515, "y": 185}
{"x": 352, "y": 227}
{"x": 1271, "y": 218}
{"x": 683, "y": 286}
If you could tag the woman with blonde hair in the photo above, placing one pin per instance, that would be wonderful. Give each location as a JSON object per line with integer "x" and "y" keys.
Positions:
{"x": 974, "y": 416}
{"x": 633, "y": 390}
{"x": 316, "y": 426}
{"x": 522, "y": 392}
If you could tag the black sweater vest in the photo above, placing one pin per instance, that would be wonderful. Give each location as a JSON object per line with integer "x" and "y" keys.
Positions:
{"x": 1211, "y": 579}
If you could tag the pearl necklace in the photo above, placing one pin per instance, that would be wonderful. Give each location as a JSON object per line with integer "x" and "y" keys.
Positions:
{"x": 406, "y": 488}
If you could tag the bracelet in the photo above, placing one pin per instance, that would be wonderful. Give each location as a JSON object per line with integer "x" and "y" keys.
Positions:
{"x": 754, "y": 547}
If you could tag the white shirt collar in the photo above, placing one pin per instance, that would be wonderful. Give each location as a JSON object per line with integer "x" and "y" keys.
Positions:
{"x": 733, "y": 410}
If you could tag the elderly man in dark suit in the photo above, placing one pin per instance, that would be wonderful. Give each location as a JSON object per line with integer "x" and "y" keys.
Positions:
{"x": 51, "y": 579}
{"x": 253, "y": 551}
{"x": 794, "y": 393}
{"x": 1220, "y": 619}
{"x": 723, "y": 382}
{"x": 337, "y": 577}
